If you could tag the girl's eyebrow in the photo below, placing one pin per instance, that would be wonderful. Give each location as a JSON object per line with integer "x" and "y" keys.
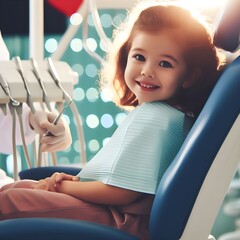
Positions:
{"x": 137, "y": 49}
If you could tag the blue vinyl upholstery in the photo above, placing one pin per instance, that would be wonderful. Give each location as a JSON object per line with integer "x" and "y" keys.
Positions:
{"x": 43, "y": 172}
{"x": 57, "y": 229}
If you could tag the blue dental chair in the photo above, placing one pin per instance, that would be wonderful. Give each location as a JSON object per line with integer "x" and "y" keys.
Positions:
{"x": 192, "y": 189}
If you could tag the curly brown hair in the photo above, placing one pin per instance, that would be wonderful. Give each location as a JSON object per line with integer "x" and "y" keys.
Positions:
{"x": 201, "y": 54}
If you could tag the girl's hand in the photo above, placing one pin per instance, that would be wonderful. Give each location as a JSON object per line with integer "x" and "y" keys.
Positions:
{"x": 60, "y": 138}
{"x": 43, "y": 184}
{"x": 50, "y": 183}
{"x": 63, "y": 176}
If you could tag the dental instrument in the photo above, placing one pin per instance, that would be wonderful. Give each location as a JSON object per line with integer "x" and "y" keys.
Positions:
{"x": 6, "y": 89}
{"x": 21, "y": 71}
{"x": 74, "y": 109}
{"x": 55, "y": 121}
{"x": 56, "y": 78}
{"x": 39, "y": 78}
{"x": 12, "y": 104}
{"x": 15, "y": 107}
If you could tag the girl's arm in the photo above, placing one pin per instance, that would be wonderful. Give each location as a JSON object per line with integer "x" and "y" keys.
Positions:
{"x": 94, "y": 192}
{"x": 97, "y": 192}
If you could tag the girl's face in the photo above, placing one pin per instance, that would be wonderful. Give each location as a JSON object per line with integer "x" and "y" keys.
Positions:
{"x": 155, "y": 68}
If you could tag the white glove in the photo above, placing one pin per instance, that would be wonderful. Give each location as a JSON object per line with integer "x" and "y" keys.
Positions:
{"x": 60, "y": 138}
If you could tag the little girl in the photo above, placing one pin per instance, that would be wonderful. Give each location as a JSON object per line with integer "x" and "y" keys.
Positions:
{"x": 163, "y": 66}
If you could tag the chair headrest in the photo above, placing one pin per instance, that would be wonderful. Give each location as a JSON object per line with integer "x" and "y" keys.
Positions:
{"x": 227, "y": 29}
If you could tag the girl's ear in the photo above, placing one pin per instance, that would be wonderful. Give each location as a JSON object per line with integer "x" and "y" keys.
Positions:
{"x": 191, "y": 79}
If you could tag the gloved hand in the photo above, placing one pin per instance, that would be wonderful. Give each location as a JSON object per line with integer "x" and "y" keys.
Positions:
{"x": 60, "y": 138}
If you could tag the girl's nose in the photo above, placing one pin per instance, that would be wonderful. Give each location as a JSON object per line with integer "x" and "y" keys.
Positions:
{"x": 148, "y": 72}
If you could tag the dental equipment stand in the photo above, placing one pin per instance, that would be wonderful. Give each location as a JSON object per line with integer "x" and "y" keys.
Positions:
{"x": 32, "y": 82}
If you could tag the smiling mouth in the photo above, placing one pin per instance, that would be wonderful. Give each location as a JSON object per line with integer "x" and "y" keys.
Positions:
{"x": 147, "y": 86}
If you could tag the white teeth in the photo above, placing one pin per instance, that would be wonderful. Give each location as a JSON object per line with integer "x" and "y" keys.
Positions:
{"x": 146, "y": 85}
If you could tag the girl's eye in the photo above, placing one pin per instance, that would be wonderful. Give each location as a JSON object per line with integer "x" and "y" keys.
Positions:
{"x": 165, "y": 64}
{"x": 139, "y": 57}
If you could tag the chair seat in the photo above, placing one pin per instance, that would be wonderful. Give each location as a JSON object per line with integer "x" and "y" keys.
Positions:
{"x": 58, "y": 229}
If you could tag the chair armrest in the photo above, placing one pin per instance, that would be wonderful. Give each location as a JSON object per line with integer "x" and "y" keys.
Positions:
{"x": 43, "y": 172}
